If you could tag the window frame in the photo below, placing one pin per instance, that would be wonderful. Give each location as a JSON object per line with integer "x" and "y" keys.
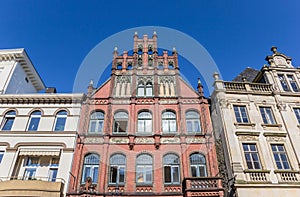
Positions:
{"x": 97, "y": 120}
{"x": 32, "y": 117}
{"x": 60, "y": 115}
{"x": 118, "y": 120}
{"x": 92, "y": 166}
{"x": 119, "y": 167}
{"x": 167, "y": 120}
{"x": 172, "y": 169}
{"x": 194, "y": 119}
{"x": 288, "y": 82}
{"x": 252, "y": 154}
{"x": 2, "y": 152}
{"x": 241, "y": 117}
{"x": 145, "y": 167}
{"x": 144, "y": 121}
{"x": 297, "y": 114}
{"x": 281, "y": 162}
{"x": 8, "y": 120}
{"x": 269, "y": 117}
{"x": 199, "y": 165}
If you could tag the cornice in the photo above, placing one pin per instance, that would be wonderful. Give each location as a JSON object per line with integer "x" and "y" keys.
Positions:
{"x": 20, "y": 55}
{"x": 41, "y": 98}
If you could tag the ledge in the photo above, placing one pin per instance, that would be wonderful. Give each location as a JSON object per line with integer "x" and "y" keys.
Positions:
{"x": 256, "y": 171}
{"x": 252, "y": 133}
{"x": 244, "y": 124}
{"x": 272, "y": 125}
{"x": 278, "y": 134}
{"x": 287, "y": 171}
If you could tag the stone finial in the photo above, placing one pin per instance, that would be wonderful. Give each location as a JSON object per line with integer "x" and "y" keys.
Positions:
{"x": 135, "y": 33}
{"x": 274, "y": 49}
{"x": 174, "y": 49}
{"x": 216, "y": 76}
{"x": 200, "y": 88}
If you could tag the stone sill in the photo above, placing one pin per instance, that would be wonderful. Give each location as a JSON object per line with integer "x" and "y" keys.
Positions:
{"x": 256, "y": 171}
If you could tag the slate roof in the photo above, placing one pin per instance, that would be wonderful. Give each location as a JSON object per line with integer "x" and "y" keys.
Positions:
{"x": 249, "y": 74}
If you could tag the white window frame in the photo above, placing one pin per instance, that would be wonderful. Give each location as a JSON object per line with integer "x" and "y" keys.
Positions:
{"x": 241, "y": 113}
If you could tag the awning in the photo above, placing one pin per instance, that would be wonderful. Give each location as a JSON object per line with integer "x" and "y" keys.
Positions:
{"x": 26, "y": 152}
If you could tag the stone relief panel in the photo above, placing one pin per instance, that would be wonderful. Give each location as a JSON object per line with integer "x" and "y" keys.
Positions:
{"x": 123, "y": 86}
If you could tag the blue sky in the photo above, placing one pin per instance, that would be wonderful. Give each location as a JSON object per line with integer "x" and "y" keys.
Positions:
{"x": 57, "y": 35}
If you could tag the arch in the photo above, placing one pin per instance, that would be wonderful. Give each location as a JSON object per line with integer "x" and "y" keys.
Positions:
{"x": 90, "y": 167}
{"x": 117, "y": 167}
{"x": 144, "y": 121}
{"x": 60, "y": 120}
{"x": 197, "y": 165}
{"x": 192, "y": 118}
{"x": 171, "y": 163}
{"x": 34, "y": 120}
{"x": 144, "y": 168}
{"x": 8, "y": 120}
{"x": 96, "y": 121}
{"x": 168, "y": 121}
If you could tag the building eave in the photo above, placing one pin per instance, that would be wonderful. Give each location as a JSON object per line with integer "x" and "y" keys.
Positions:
{"x": 20, "y": 55}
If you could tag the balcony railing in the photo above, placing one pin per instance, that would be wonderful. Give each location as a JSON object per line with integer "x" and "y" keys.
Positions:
{"x": 257, "y": 175}
{"x": 287, "y": 176}
{"x": 203, "y": 186}
{"x": 248, "y": 87}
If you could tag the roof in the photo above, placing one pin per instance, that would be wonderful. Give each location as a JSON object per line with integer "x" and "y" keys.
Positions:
{"x": 21, "y": 56}
{"x": 246, "y": 75}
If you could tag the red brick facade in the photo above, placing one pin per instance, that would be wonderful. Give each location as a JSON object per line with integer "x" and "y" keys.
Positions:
{"x": 128, "y": 152}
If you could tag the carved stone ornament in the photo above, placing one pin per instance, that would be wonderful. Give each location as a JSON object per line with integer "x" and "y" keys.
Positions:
{"x": 123, "y": 79}
{"x": 167, "y": 101}
{"x": 223, "y": 103}
{"x": 93, "y": 140}
{"x": 195, "y": 140}
{"x": 275, "y": 139}
{"x": 281, "y": 106}
{"x": 144, "y": 140}
{"x": 119, "y": 140}
{"x": 166, "y": 79}
{"x": 170, "y": 140}
{"x": 248, "y": 138}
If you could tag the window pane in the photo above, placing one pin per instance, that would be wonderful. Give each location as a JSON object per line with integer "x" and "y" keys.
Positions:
{"x": 113, "y": 174}
{"x": 167, "y": 173}
{"x": 148, "y": 173}
{"x": 194, "y": 171}
{"x": 34, "y": 123}
{"x": 95, "y": 175}
{"x": 172, "y": 125}
{"x": 52, "y": 174}
{"x": 175, "y": 174}
{"x": 139, "y": 174}
{"x": 8, "y": 124}
{"x": 283, "y": 82}
{"x": 121, "y": 175}
{"x": 60, "y": 124}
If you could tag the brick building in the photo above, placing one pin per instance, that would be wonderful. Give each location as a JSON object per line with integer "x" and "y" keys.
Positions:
{"x": 145, "y": 131}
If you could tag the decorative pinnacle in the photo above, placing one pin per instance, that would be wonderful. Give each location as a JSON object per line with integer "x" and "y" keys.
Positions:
{"x": 174, "y": 49}
{"x": 154, "y": 32}
{"x": 135, "y": 33}
{"x": 274, "y": 49}
{"x": 116, "y": 49}
{"x": 199, "y": 82}
{"x": 91, "y": 82}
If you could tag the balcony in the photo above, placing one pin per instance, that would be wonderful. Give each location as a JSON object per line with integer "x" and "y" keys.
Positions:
{"x": 12, "y": 186}
{"x": 248, "y": 87}
{"x": 203, "y": 186}
{"x": 287, "y": 176}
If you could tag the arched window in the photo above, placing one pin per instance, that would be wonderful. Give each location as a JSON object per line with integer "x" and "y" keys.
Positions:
{"x": 140, "y": 89}
{"x": 192, "y": 122}
{"x": 168, "y": 122}
{"x": 144, "y": 169}
{"x": 198, "y": 165}
{"x": 96, "y": 122}
{"x": 149, "y": 89}
{"x": 117, "y": 169}
{"x": 90, "y": 168}
{"x": 8, "y": 121}
{"x": 60, "y": 120}
{"x": 120, "y": 122}
{"x": 171, "y": 169}
{"x": 144, "y": 122}
{"x": 34, "y": 121}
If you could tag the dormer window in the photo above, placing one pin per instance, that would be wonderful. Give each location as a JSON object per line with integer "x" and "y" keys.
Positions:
{"x": 288, "y": 82}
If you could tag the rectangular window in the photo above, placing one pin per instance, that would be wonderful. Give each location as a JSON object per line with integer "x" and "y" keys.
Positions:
{"x": 1, "y": 156}
{"x": 293, "y": 83}
{"x": 52, "y": 174}
{"x": 241, "y": 115}
{"x": 283, "y": 82}
{"x": 267, "y": 115}
{"x": 297, "y": 113}
{"x": 251, "y": 156}
{"x": 120, "y": 126}
{"x": 171, "y": 174}
{"x": 29, "y": 174}
{"x": 280, "y": 157}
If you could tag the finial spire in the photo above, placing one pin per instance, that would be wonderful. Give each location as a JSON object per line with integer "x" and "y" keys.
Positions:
{"x": 274, "y": 49}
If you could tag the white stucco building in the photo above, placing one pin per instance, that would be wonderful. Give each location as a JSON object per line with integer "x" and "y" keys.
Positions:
{"x": 17, "y": 74}
{"x": 38, "y": 132}
{"x": 257, "y": 121}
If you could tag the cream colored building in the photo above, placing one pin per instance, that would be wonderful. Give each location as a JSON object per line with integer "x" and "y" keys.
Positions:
{"x": 257, "y": 124}
{"x": 38, "y": 132}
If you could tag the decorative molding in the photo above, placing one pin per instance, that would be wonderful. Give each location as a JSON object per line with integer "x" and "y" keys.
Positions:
{"x": 93, "y": 140}
{"x": 144, "y": 140}
{"x": 119, "y": 140}
{"x": 247, "y": 138}
{"x": 275, "y": 139}
{"x": 169, "y": 140}
{"x": 248, "y": 133}
{"x": 168, "y": 101}
{"x": 196, "y": 140}
{"x": 125, "y": 102}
